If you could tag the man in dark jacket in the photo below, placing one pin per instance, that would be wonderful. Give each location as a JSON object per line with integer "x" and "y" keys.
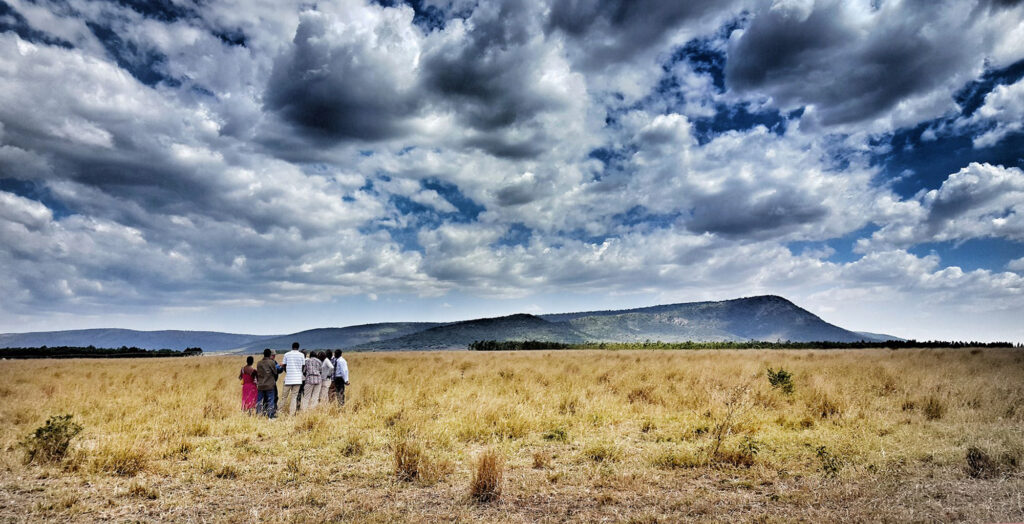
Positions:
{"x": 266, "y": 385}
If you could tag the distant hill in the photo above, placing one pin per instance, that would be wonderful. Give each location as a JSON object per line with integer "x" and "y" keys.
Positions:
{"x": 765, "y": 318}
{"x": 768, "y": 318}
{"x": 459, "y": 334}
{"x": 115, "y": 338}
{"x": 878, "y": 337}
{"x": 338, "y": 338}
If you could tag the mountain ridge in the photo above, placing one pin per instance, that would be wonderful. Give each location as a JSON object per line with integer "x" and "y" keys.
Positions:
{"x": 763, "y": 317}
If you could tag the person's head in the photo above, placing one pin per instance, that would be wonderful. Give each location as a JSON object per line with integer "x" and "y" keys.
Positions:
{"x": 337, "y": 353}
{"x": 321, "y": 355}
{"x": 248, "y": 360}
{"x": 268, "y": 352}
{"x": 295, "y": 346}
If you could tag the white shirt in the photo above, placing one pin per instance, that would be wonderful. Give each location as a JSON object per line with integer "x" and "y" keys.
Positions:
{"x": 327, "y": 369}
{"x": 341, "y": 369}
{"x": 293, "y": 361}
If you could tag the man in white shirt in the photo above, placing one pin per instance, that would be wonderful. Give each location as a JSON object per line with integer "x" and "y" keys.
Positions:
{"x": 340, "y": 376}
{"x": 292, "y": 361}
{"x": 327, "y": 375}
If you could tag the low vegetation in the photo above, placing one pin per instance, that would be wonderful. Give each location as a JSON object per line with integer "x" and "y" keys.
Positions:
{"x": 533, "y": 436}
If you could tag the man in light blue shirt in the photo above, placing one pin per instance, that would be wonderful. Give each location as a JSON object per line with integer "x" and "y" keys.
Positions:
{"x": 292, "y": 361}
{"x": 340, "y": 377}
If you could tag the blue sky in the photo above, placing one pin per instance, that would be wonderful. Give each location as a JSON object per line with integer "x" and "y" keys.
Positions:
{"x": 269, "y": 167}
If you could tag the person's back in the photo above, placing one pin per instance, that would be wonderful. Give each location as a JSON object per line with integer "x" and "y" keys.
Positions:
{"x": 326, "y": 377}
{"x": 340, "y": 377}
{"x": 266, "y": 385}
{"x": 293, "y": 363}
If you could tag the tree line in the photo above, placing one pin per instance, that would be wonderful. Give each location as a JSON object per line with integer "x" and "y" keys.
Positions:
{"x": 517, "y": 345}
{"x": 95, "y": 352}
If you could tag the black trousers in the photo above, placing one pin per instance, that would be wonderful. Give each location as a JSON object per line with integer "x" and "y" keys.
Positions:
{"x": 339, "y": 390}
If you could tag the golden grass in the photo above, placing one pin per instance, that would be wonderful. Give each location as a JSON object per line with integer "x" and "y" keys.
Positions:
{"x": 583, "y": 436}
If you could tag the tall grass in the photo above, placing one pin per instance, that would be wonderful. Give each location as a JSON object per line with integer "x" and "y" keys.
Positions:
{"x": 626, "y": 423}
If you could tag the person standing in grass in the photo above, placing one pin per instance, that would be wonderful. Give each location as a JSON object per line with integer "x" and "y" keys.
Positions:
{"x": 340, "y": 377}
{"x": 292, "y": 362}
{"x": 266, "y": 385}
{"x": 312, "y": 373}
{"x": 326, "y": 375}
{"x": 248, "y": 377}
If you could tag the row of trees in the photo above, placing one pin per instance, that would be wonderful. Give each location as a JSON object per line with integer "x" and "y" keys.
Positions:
{"x": 95, "y": 352}
{"x": 516, "y": 345}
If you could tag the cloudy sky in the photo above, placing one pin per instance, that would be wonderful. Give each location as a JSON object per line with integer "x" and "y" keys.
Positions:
{"x": 267, "y": 167}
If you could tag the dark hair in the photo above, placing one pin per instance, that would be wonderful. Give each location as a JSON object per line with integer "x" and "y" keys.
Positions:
{"x": 267, "y": 352}
{"x": 321, "y": 355}
{"x": 337, "y": 352}
{"x": 295, "y": 345}
{"x": 248, "y": 360}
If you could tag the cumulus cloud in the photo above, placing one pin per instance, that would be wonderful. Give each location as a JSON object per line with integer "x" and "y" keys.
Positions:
{"x": 889, "y": 64}
{"x": 254, "y": 152}
{"x": 979, "y": 201}
{"x": 1002, "y": 114}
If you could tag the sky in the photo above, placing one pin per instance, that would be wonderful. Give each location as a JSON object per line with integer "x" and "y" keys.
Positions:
{"x": 273, "y": 166}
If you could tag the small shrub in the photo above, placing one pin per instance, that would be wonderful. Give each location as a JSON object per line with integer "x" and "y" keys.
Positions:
{"x": 487, "y": 477}
{"x": 49, "y": 442}
{"x": 933, "y": 408}
{"x": 781, "y": 380}
{"x": 979, "y": 464}
{"x": 556, "y": 434}
{"x": 830, "y": 464}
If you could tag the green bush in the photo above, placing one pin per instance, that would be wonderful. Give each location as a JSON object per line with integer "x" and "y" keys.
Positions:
{"x": 781, "y": 379}
{"x": 49, "y": 442}
{"x": 830, "y": 464}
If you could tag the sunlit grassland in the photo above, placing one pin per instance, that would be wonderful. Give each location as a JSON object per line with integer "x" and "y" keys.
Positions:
{"x": 579, "y": 435}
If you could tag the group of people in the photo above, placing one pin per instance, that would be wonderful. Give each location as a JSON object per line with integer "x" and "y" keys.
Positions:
{"x": 310, "y": 378}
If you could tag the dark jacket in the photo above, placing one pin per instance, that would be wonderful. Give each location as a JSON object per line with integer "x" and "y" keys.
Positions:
{"x": 266, "y": 374}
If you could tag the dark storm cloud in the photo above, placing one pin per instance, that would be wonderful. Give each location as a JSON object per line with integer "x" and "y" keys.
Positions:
{"x": 614, "y": 30}
{"x": 852, "y": 71}
{"x": 332, "y": 87}
{"x": 488, "y": 75}
{"x": 736, "y": 212}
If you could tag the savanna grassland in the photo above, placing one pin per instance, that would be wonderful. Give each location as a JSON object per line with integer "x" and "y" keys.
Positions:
{"x": 641, "y": 436}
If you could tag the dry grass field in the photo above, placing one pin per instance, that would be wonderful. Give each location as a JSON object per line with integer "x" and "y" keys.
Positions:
{"x": 608, "y": 436}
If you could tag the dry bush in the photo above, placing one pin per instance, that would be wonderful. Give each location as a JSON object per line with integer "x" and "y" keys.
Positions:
{"x": 979, "y": 464}
{"x": 408, "y": 459}
{"x": 487, "y": 476}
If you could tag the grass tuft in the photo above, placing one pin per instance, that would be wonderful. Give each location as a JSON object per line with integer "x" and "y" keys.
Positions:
{"x": 487, "y": 477}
